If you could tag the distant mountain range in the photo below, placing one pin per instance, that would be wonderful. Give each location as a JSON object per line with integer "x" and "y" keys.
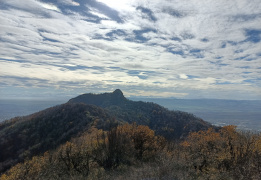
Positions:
{"x": 25, "y": 137}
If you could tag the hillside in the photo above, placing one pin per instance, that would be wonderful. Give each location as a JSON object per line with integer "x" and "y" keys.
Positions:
{"x": 134, "y": 152}
{"x": 245, "y": 114}
{"x": 170, "y": 124}
{"x": 25, "y": 137}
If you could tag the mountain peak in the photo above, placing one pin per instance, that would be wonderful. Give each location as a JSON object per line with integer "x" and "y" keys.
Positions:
{"x": 103, "y": 100}
{"x": 118, "y": 92}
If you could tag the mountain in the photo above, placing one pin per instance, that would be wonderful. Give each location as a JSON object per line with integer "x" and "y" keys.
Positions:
{"x": 25, "y": 137}
{"x": 170, "y": 124}
{"x": 102, "y": 100}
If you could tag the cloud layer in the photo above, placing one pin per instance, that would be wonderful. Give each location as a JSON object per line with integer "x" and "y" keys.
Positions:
{"x": 184, "y": 49}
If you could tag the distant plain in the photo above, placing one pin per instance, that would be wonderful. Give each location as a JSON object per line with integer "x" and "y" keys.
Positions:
{"x": 13, "y": 108}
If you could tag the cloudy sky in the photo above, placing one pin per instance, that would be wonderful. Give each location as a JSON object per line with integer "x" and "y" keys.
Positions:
{"x": 159, "y": 48}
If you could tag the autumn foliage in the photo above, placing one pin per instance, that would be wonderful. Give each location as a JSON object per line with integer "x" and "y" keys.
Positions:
{"x": 94, "y": 151}
{"x": 99, "y": 154}
{"x": 213, "y": 153}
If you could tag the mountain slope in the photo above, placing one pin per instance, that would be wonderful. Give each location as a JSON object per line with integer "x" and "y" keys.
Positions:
{"x": 171, "y": 124}
{"x": 24, "y": 137}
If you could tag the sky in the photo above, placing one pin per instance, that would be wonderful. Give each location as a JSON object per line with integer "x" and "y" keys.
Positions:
{"x": 187, "y": 49}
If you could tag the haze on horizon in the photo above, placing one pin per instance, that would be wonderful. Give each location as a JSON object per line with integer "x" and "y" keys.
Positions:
{"x": 164, "y": 48}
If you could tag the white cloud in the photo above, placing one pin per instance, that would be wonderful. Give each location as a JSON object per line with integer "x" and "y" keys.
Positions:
{"x": 99, "y": 14}
{"x": 119, "y": 5}
{"x": 49, "y": 6}
{"x": 183, "y": 76}
{"x": 184, "y": 51}
{"x": 69, "y": 2}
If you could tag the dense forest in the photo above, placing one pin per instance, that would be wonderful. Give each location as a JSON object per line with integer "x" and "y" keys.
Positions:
{"x": 106, "y": 136}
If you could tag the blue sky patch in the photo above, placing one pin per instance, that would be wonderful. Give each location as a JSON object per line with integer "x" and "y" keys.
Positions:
{"x": 246, "y": 17}
{"x": 139, "y": 34}
{"x": 137, "y": 73}
{"x": 224, "y": 45}
{"x": 224, "y": 83}
{"x": 245, "y": 67}
{"x": 176, "y": 39}
{"x": 204, "y": 40}
{"x": 197, "y": 53}
{"x": 178, "y": 52}
{"x": 253, "y": 35}
{"x": 148, "y": 12}
{"x": 173, "y": 12}
{"x": 115, "y": 34}
{"x": 192, "y": 76}
{"x": 186, "y": 35}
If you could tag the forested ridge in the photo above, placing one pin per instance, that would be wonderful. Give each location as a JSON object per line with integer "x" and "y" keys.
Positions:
{"x": 24, "y": 137}
{"x": 170, "y": 124}
{"x": 106, "y": 136}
